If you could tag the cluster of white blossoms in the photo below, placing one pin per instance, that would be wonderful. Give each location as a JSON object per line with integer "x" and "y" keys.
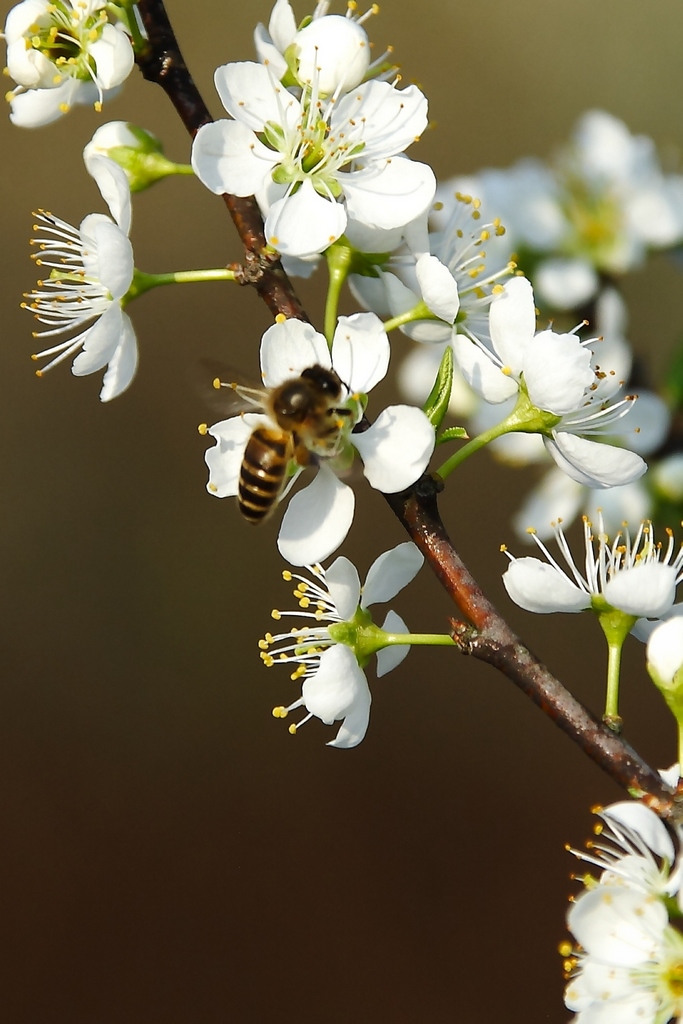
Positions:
{"x": 628, "y": 966}
{"x": 61, "y": 53}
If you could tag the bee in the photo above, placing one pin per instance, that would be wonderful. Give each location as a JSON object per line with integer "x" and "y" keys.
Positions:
{"x": 308, "y": 421}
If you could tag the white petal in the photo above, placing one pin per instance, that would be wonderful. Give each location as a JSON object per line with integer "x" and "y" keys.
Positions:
{"x": 282, "y": 24}
{"x": 317, "y": 520}
{"x": 644, "y": 628}
{"x": 388, "y": 195}
{"x": 39, "y": 107}
{"x": 228, "y": 157}
{"x": 665, "y": 649}
{"x": 113, "y": 55}
{"x": 397, "y": 448}
{"x": 565, "y": 283}
{"x": 333, "y": 51}
{"x": 252, "y": 95}
{"x": 557, "y": 372}
{"x": 592, "y": 463}
{"x": 112, "y": 182}
{"x": 371, "y": 292}
{"x": 360, "y": 351}
{"x": 343, "y": 583}
{"x": 620, "y": 926}
{"x": 123, "y": 363}
{"x": 539, "y": 587}
{"x": 390, "y": 657}
{"x": 392, "y": 119}
{"x": 481, "y": 373}
{"x": 439, "y": 289}
{"x": 289, "y": 347}
{"x": 304, "y": 223}
{"x": 225, "y": 458}
{"x": 646, "y": 590}
{"x": 643, "y": 821}
{"x": 339, "y": 689}
{"x": 100, "y": 342}
{"x": 111, "y": 258}
{"x": 391, "y": 572}
{"x": 268, "y": 53}
{"x": 512, "y": 321}
{"x": 22, "y": 16}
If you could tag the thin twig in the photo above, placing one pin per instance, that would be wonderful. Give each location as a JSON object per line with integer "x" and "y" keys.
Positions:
{"x": 491, "y": 640}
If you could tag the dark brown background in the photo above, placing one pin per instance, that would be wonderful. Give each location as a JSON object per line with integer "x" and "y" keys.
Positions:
{"x": 169, "y": 853}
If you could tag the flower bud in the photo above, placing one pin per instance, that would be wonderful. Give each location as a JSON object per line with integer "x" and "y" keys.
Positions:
{"x": 338, "y": 48}
{"x": 665, "y": 653}
{"x": 136, "y": 150}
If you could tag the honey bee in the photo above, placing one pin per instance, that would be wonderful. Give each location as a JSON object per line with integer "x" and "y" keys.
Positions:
{"x": 309, "y": 423}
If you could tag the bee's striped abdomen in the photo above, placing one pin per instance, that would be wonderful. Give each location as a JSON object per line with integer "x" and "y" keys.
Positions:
{"x": 262, "y": 474}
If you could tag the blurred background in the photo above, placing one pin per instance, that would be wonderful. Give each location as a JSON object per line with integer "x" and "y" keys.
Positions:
{"x": 170, "y": 853}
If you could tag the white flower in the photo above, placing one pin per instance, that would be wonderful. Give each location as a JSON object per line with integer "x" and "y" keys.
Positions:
{"x": 91, "y": 272}
{"x": 451, "y": 279}
{"x": 634, "y": 849}
{"x": 636, "y": 575}
{"x": 555, "y": 371}
{"x": 315, "y": 165}
{"x": 331, "y": 51}
{"x": 395, "y": 449}
{"x": 327, "y": 655}
{"x": 62, "y": 52}
{"x": 631, "y": 966}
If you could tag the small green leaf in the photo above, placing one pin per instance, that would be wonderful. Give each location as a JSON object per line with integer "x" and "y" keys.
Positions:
{"x": 453, "y": 434}
{"x": 436, "y": 405}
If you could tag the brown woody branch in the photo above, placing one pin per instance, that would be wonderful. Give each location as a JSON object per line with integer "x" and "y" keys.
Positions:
{"x": 489, "y": 638}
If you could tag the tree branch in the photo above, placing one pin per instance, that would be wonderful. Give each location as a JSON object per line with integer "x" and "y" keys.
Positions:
{"x": 491, "y": 640}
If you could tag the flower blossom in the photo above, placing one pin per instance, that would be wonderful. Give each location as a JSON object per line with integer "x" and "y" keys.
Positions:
{"x": 634, "y": 575}
{"x": 315, "y": 165}
{"x": 629, "y": 964}
{"x": 331, "y": 654}
{"x": 395, "y": 449}
{"x": 555, "y": 374}
{"x": 331, "y": 49}
{"x": 61, "y": 53}
{"x": 91, "y": 272}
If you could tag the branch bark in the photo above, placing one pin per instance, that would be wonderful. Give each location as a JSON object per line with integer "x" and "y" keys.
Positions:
{"x": 489, "y": 638}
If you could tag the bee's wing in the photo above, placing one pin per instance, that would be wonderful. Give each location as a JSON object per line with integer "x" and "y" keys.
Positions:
{"x": 224, "y": 389}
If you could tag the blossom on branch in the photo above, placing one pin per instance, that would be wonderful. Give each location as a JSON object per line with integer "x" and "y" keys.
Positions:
{"x": 61, "y": 53}
{"x": 395, "y": 449}
{"x": 332, "y": 652}
{"x": 315, "y": 165}
{"x": 91, "y": 270}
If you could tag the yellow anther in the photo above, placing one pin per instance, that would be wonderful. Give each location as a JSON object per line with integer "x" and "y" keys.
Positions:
{"x": 300, "y": 671}
{"x": 263, "y": 645}
{"x": 531, "y": 531}
{"x": 292, "y": 729}
{"x": 286, "y": 575}
{"x": 64, "y": 108}
{"x": 39, "y": 373}
{"x": 485, "y": 235}
{"x": 598, "y": 828}
{"x": 304, "y": 602}
{"x": 565, "y": 949}
{"x": 507, "y": 370}
{"x": 212, "y": 488}
{"x": 497, "y": 289}
{"x": 500, "y": 230}
{"x": 437, "y": 206}
{"x": 56, "y": 80}
{"x": 375, "y": 8}
{"x": 203, "y": 428}
{"x": 476, "y": 215}
{"x": 268, "y": 660}
{"x": 319, "y": 615}
{"x": 283, "y": 656}
{"x": 275, "y": 614}
{"x": 280, "y": 712}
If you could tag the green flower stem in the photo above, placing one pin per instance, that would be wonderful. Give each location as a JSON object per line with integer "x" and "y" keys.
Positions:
{"x": 419, "y": 312}
{"x": 611, "y": 716}
{"x": 419, "y": 639}
{"x": 171, "y": 167}
{"x": 339, "y": 258}
{"x": 616, "y": 626}
{"x": 525, "y": 418}
{"x": 125, "y": 11}
{"x": 144, "y": 282}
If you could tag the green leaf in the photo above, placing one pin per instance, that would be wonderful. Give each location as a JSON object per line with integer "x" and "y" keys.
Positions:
{"x": 436, "y": 405}
{"x": 453, "y": 434}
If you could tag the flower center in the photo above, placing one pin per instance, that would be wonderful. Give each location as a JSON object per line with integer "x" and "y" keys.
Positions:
{"x": 65, "y": 35}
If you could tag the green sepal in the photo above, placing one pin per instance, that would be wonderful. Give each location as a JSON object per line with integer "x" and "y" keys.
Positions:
{"x": 453, "y": 434}
{"x": 436, "y": 406}
{"x": 273, "y": 135}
